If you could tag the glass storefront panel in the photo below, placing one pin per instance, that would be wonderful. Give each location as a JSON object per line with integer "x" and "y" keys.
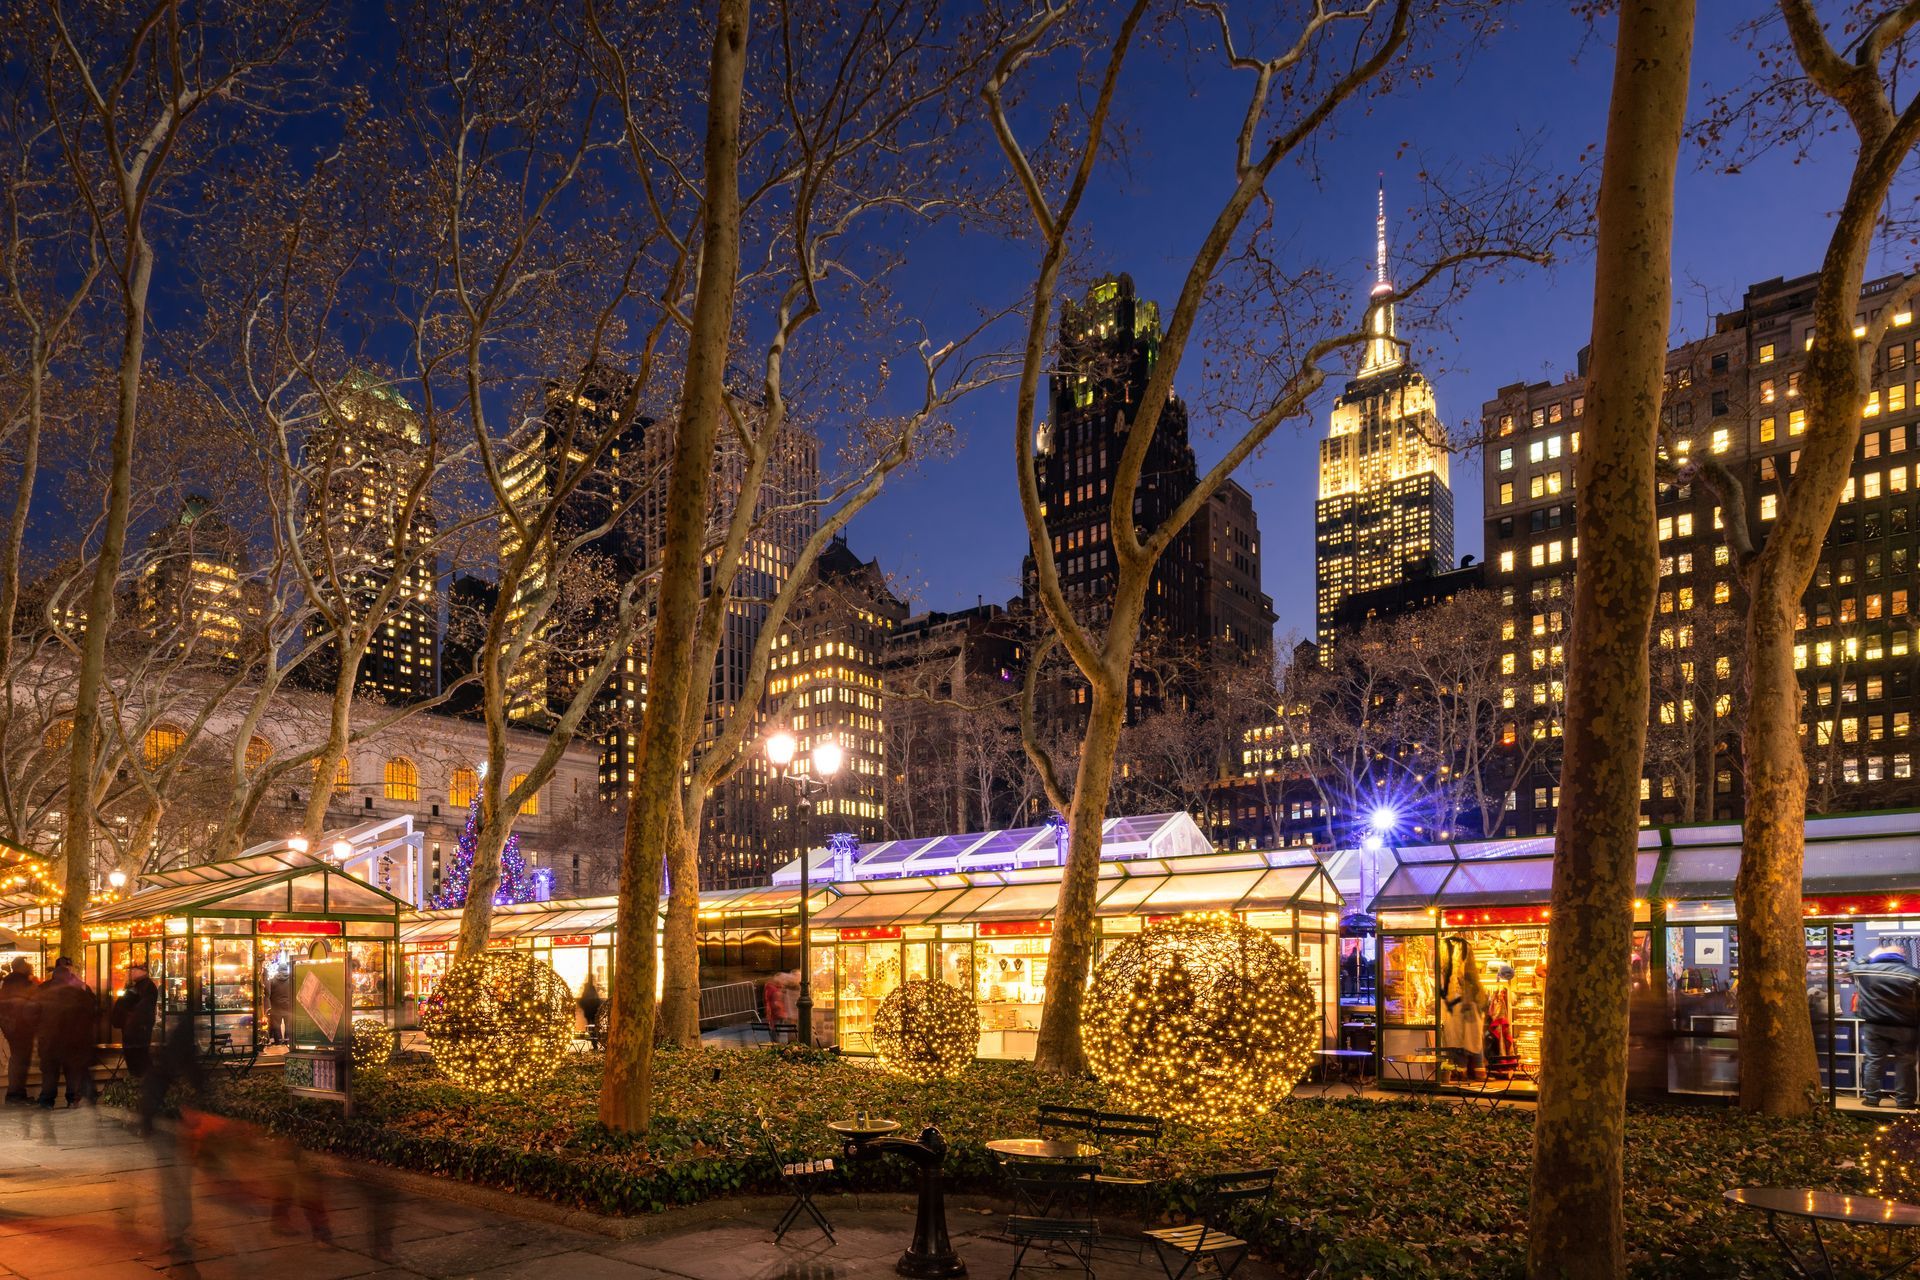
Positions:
{"x": 1010, "y": 983}
{"x": 226, "y": 977}
{"x": 367, "y": 973}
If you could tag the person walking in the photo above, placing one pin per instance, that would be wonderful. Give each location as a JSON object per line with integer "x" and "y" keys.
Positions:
{"x": 18, "y": 1014}
{"x": 67, "y": 1012}
{"x": 1886, "y": 998}
{"x": 133, "y": 1014}
{"x": 279, "y": 1003}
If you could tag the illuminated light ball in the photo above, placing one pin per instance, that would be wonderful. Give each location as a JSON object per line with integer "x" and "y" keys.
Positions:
{"x": 1201, "y": 1018}
{"x": 926, "y": 1030}
{"x": 373, "y": 1043}
{"x": 499, "y": 1022}
{"x": 1891, "y": 1160}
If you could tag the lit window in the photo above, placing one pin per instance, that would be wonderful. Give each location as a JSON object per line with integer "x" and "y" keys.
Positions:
{"x": 159, "y": 745}
{"x": 259, "y": 751}
{"x": 401, "y": 780}
{"x": 1722, "y": 440}
{"x": 1769, "y": 506}
{"x": 530, "y": 808}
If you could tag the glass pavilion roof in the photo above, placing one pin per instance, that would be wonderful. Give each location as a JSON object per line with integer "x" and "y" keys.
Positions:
{"x": 1158, "y": 835}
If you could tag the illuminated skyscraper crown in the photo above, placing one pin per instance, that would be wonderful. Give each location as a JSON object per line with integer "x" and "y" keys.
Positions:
{"x": 1383, "y": 349}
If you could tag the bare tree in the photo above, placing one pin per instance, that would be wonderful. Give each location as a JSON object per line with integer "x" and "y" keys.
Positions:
{"x": 1324, "y": 57}
{"x": 1575, "y": 1222}
{"x": 1808, "y": 94}
{"x": 138, "y": 95}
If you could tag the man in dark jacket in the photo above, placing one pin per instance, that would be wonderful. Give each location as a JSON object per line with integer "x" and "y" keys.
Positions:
{"x": 133, "y": 1013}
{"x": 1887, "y": 1001}
{"x": 17, "y": 1010}
{"x": 67, "y": 1014}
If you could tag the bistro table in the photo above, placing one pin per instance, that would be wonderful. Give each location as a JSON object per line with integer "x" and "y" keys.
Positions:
{"x": 1043, "y": 1149}
{"x": 1816, "y": 1207}
{"x": 1349, "y": 1067}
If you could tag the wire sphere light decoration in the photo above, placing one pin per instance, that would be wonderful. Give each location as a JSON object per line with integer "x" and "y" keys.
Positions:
{"x": 500, "y": 1022}
{"x": 1891, "y": 1159}
{"x": 1201, "y": 1018}
{"x": 926, "y": 1030}
{"x": 373, "y": 1043}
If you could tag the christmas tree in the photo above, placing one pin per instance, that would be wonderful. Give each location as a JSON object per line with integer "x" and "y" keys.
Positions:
{"x": 515, "y": 884}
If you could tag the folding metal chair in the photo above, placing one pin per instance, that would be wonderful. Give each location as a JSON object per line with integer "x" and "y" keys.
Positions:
{"x": 1049, "y": 1188}
{"x": 1076, "y": 1235}
{"x": 801, "y": 1177}
{"x": 1221, "y": 1196}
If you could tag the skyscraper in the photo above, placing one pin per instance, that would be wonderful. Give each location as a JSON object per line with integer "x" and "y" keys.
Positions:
{"x": 375, "y": 453}
{"x": 1385, "y": 513}
{"x": 1109, "y": 341}
{"x": 193, "y": 588}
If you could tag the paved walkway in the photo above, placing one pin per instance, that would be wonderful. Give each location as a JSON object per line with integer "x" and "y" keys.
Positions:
{"x": 82, "y": 1197}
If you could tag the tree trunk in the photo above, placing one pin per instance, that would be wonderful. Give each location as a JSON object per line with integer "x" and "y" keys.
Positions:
{"x": 626, "y": 1088}
{"x": 1070, "y": 955}
{"x": 680, "y": 992}
{"x": 1779, "y": 1071}
{"x": 77, "y": 838}
{"x": 483, "y": 876}
{"x": 313, "y": 821}
{"x": 1575, "y": 1226}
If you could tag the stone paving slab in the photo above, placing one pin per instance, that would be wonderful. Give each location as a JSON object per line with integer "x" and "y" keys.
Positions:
{"x": 84, "y": 1197}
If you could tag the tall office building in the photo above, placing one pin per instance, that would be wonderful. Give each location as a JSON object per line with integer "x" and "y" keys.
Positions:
{"x": 1239, "y": 615}
{"x": 193, "y": 587}
{"x": 376, "y": 454}
{"x": 1732, "y": 396}
{"x": 570, "y": 640}
{"x": 1385, "y": 513}
{"x": 825, "y": 671}
{"x": 1109, "y": 341}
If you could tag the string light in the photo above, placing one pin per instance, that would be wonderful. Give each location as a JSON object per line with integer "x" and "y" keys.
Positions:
{"x": 373, "y": 1043}
{"x": 499, "y": 1022}
{"x": 1891, "y": 1159}
{"x": 926, "y": 1030}
{"x": 1201, "y": 1018}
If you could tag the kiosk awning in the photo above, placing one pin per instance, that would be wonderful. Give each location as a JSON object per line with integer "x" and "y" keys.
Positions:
{"x": 265, "y": 884}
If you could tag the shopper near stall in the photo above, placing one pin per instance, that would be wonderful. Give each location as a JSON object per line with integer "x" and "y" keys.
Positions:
{"x": 67, "y": 1012}
{"x": 1886, "y": 999}
{"x": 133, "y": 1015}
{"x": 18, "y": 1015}
{"x": 590, "y": 1003}
{"x": 1463, "y": 1007}
{"x": 279, "y": 1003}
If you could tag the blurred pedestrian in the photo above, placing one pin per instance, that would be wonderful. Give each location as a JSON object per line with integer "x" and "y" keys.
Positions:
{"x": 1886, "y": 997}
{"x": 133, "y": 1015}
{"x": 67, "y": 1013}
{"x": 18, "y": 1015}
{"x": 279, "y": 1003}
{"x": 590, "y": 1003}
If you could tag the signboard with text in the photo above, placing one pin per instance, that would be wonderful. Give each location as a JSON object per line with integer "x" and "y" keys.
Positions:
{"x": 320, "y": 1015}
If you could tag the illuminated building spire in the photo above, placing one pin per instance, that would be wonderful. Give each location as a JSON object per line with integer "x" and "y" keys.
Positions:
{"x": 1383, "y": 350}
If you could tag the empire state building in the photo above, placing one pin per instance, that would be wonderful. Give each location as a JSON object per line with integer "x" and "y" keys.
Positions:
{"x": 1385, "y": 513}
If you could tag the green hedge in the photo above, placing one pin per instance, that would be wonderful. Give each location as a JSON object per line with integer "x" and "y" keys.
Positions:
{"x": 1386, "y": 1191}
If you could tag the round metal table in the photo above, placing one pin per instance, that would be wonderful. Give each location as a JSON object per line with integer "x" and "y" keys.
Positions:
{"x": 1816, "y": 1207}
{"x": 1043, "y": 1149}
{"x": 853, "y": 1131}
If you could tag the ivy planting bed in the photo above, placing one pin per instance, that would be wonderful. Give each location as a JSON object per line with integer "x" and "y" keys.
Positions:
{"x": 1386, "y": 1190}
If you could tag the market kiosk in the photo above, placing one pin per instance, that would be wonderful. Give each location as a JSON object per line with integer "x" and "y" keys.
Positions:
{"x": 1486, "y": 904}
{"x": 976, "y": 911}
{"x": 219, "y": 939}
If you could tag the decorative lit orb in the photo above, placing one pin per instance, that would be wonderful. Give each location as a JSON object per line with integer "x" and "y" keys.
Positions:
{"x": 499, "y": 1022}
{"x": 1891, "y": 1160}
{"x": 1201, "y": 1018}
{"x": 926, "y": 1030}
{"x": 373, "y": 1043}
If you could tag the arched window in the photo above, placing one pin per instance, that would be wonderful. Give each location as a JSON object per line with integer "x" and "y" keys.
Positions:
{"x": 530, "y": 807}
{"x": 402, "y": 779}
{"x": 55, "y": 738}
{"x": 160, "y": 743}
{"x": 342, "y": 777}
{"x": 259, "y": 751}
{"x": 462, "y": 787}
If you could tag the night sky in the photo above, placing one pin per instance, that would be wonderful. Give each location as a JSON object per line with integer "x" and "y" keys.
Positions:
{"x": 951, "y": 533}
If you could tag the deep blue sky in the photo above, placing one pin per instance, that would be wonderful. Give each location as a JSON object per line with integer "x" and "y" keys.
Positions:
{"x": 952, "y": 532}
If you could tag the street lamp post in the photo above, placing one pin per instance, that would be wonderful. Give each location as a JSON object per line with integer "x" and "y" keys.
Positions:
{"x": 826, "y": 758}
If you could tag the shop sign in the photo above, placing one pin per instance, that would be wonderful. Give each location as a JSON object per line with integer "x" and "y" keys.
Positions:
{"x": 1494, "y": 916}
{"x": 303, "y": 928}
{"x": 873, "y": 933}
{"x": 573, "y": 940}
{"x": 429, "y": 946}
{"x": 1015, "y": 928}
{"x": 499, "y": 942}
{"x": 150, "y": 930}
{"x": 1864, "y": 904}
{"x": 319, "y": 1020}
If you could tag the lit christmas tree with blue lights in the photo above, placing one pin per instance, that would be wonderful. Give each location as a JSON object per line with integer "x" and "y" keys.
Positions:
{"x": 516, "y": 885}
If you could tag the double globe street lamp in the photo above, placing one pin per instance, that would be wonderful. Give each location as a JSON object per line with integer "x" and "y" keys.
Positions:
{"x": 825, "y": 759}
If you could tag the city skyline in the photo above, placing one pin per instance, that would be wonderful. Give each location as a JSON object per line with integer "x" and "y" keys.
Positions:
{"x": 1528, "y": 327}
